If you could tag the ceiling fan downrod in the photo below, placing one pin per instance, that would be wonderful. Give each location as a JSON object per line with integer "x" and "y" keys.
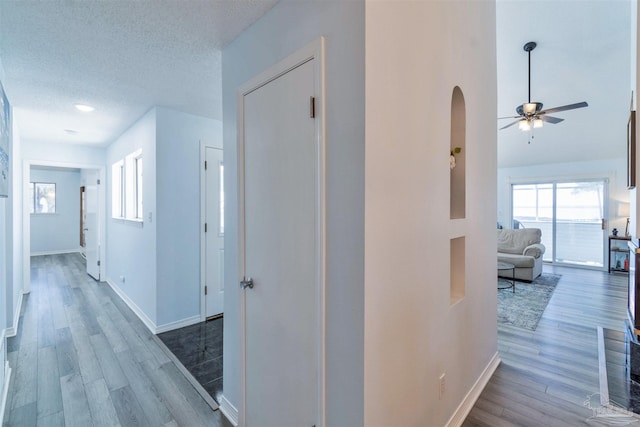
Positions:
{"x": 528, "y": 47}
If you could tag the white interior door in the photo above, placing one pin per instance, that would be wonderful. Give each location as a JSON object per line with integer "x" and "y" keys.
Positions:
{"x": 91, "y": 231}
{"x": 214, "y": 246}
{"x": 281, "y": 217}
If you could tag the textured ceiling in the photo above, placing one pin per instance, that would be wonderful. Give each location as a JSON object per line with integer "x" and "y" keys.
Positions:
{"x": 120, "y": 56}
{"x": 123, "y": 57}
{"x": 583, "y": 54}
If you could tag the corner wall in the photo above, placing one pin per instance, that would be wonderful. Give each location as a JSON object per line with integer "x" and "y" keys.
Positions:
{"x": 289, "y": 26}
{"x": 14, "y": 294}
{"x": 178, "y": 222}
{"x": 131, "y": 246}
{"x": 417, "y": 52}
{"x": 7, "y": 255}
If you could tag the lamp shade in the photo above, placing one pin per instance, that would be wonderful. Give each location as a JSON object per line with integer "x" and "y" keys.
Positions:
{"x": 623, "y": 209}
{"x": 524, "y": 125}
{"x": 537, "y": 122}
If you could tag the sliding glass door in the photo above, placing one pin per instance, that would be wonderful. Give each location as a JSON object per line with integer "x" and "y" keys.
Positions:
{"x": 570, "y": 215}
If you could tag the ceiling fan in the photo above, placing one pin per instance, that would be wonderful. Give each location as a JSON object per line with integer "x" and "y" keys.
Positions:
{"x": 531, "y": 114}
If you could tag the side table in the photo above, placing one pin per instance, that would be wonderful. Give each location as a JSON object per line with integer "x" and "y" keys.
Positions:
{"x": 504, "y": 283}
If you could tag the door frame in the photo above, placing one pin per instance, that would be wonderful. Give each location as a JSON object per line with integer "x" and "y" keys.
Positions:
{"x": 203, "y": 218}
{"x": 26, "y": 216}
{"x": 312, "y": 51}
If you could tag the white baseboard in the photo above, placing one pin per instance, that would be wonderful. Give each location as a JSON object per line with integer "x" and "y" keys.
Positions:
{"x": 141, "y": 315}
{"x": 178, "y": 324}
{"x": 470, "y": 399}
{"x": 13, "y": 330}
{"x": 229, "y": 411}
{"x": 56, "y": 252}
{"x": 5, "y": 388}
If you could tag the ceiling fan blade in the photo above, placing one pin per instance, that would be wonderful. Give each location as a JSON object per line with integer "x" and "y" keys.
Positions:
{"x": 551, "y": 119}
{"x": 509, "y": 117}
{"x": 565, "y": 108}
{"x": 510, "y": 124}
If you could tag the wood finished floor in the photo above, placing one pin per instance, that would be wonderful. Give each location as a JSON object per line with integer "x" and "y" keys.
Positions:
{"x": 547, "y": 375}
{"x": 83, "y": 358}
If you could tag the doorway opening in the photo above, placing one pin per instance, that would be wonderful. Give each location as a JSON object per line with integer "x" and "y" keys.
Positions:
{"x": 571, "y": 215}
{"x": 40, "y": 234}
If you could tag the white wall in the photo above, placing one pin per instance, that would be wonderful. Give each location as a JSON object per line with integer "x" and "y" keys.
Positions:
{"x": 59, "y": 231}
{"x": 131, "y": 246}
{"x": 44, "y": 153}
{"x": 613, "y": 170}
{"x": 14, "y": 293}
{"x": 178, "y": 224}
{"x": 286, "y": 28}
{"x": 417, "y": 52}
{"x": 159, "y": 258}
{"x": 7, "y": 238}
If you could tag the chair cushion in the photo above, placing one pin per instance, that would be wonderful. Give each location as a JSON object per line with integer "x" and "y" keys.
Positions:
{"x": 519, "y": 261}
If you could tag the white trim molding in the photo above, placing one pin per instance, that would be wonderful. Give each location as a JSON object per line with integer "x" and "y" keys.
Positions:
{"x": 470, "y": 399}
{"x": 5, "y": 388}
{"x": 203, "y": 219}
{"x": 13, "y": 330}
{"x": 178, "y": 324}
{"x": 57, "y": 252}
{"x": 229, "y": 411}
{"x": 137, "y": 310}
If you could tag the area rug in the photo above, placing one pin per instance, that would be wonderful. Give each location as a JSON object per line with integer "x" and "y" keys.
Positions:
{"x": 523, "y": 309}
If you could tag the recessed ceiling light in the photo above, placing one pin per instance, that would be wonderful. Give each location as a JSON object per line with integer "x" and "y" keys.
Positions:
{"x": 71, "y": 131}
{"x": 84, "y": 108}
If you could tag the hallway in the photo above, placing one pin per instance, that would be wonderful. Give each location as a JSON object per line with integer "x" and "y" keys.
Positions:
{"x": 81, "y": 357}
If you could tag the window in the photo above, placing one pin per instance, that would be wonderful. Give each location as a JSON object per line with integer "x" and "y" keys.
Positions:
{"x": 42, "y": 197}
{"x": 138, "y": 187}
{"x": 126, "y": 185}
{"x": 570, "y": 215}
{"x": 117, "y": 190}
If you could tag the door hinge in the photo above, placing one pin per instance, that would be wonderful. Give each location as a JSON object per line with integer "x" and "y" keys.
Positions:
{"x": 205, "y": 165}
{"x": 205, "y": 227}
{"x": 205, "y": 290}
{"x": 312, "y": 107}
{"x": 98, "y": 182}
{"x": 98, "y": 263}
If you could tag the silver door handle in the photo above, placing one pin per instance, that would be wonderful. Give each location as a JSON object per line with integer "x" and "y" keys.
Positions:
{"x": 247, "y": 283}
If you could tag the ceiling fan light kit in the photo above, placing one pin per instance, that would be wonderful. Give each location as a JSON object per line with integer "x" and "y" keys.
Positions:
{"x": 531, "y": 114}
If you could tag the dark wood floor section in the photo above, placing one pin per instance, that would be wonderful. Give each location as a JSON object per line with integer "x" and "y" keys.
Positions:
{"x": 199, "y": 348}
{"x": 83, "y": 358}
{"x": 547, "y": 376}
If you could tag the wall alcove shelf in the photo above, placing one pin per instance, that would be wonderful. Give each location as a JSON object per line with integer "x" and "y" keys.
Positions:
{"x": 457, "y": 197}
{"x": 619, "y": 254}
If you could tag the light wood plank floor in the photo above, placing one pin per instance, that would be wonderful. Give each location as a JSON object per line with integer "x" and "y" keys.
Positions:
{"x": 83, "y": 358}
{"x": 547, "y": 375}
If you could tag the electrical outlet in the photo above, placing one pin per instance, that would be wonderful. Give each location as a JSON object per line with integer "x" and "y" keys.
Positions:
{"x": 441, "y": 384}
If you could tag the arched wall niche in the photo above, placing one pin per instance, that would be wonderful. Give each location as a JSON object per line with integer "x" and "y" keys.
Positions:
{"x": 458, "y": 148}
{"x": 457, "y": 196}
